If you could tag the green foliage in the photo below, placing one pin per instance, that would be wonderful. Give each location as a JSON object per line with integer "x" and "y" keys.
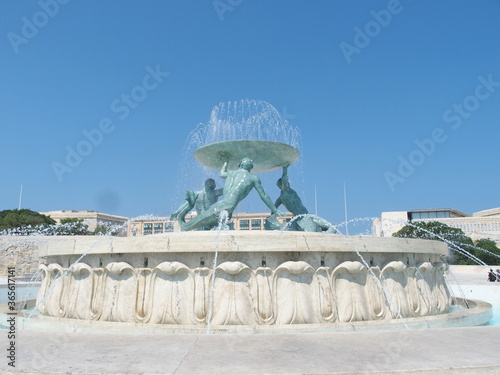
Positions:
{"x": 492, "y": 254}
{"x": 26, "y": 222}
{"x": 101, "y": 230}
{"x": 72, "y": 227}
{"x": 71, "y": 220}
{"x": 435, "y": 230}
{"x": 484, "y": 249}
{"x": 11, "y": 219}
{"x": 106, "y": 229}
{"x": 429, "y": 230}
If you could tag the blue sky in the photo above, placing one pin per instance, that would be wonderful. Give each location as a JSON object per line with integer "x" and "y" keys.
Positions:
{"x": 399, "y": 100}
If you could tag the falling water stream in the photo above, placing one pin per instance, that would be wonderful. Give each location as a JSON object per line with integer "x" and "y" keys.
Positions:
{"x": 58, "y": 279}
{"x": 375, "y": 278}
{"x": 223, "y": 218}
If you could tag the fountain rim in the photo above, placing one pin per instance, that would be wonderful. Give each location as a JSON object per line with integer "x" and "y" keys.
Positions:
{"x": 240, "y": 242}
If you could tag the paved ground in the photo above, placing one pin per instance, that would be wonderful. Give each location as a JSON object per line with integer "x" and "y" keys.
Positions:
{"x": 318, "y": 353}
{"x": 471, "y": 350}
{"x": 469, "y": 278}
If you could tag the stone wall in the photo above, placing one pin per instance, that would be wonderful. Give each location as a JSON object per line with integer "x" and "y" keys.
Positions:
{"x": 20, "y": 252}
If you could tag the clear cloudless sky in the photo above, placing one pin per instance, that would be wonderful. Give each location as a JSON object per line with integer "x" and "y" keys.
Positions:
{"x": 364, "y": 88}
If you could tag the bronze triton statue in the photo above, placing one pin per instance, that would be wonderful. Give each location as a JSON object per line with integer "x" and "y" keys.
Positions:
{"x": 203, "y": 200}
{"x": 238, "y": 184}
{"x": 291, "y": 200}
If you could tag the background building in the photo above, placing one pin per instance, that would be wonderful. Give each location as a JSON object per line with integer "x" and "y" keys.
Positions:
{"x": 482, "y": 224}
{"x": 89, "y": 217}
{"x": 154, "y": 225}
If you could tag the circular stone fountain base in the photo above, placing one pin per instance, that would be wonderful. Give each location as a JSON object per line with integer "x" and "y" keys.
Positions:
{"x": 243, "y": 278}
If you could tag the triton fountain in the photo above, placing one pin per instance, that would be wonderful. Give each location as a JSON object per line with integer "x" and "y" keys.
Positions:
{"x": 303, "y": 273}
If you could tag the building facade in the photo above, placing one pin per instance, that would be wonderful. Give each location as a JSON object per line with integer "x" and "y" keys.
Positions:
{"x": 240, "y": 221}
{"x": 89, "y": 217}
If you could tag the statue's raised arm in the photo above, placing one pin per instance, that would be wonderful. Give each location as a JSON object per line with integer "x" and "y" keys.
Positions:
{"x": 223, "y": 171}
{"x": 285, "y": 184}
{"x": 265, "y": 198}
{"x": 291, "y": 200}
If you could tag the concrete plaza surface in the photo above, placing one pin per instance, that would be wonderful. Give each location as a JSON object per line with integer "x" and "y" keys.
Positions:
{"x": 464, "y": 350}
{"x": 430, "y": 351}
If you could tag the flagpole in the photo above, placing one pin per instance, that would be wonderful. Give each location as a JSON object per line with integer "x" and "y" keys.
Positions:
{"x": 315, "y": 202}
{"x": 20, "y": 197}
{"x": 345, "y": 211}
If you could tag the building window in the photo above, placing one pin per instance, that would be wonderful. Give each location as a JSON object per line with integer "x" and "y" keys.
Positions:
{"x": 415, "y": 215}
{"x": 429, "y": 215}
{"x": 244, "y": 224}
{"x": 158, "y": 227}
{"x": 169, "y": 227}
{"x": 148, "y": 228}
{"x": 443, "y": 214}
{"x": 256, "y": 224}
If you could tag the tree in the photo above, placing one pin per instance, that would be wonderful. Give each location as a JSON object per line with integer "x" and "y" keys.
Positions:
{"x": 72, "y": 227}
{"x": 460, "y": 244}
{"x": 492, "y": 254}
{"x": 13, "y": 219}
{"x": 106, "y": 229}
